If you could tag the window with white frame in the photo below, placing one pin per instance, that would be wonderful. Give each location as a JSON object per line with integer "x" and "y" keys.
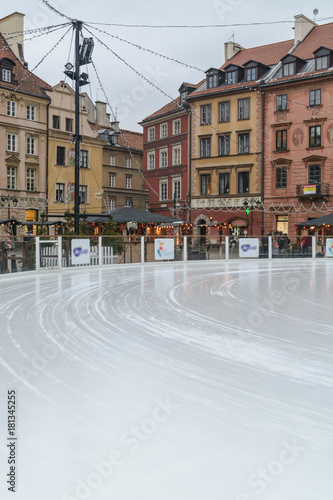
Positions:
{"x": 6, "y": 75}
{"x": 128, "y": 162}
{"x": 176, "y": 155}
{"x": 176, "y": 127}
{"x": 31, "y": 179}
{"x": 129, "y": 202}
{"x": 60, "y": 192}
{"x": 151, "y": 134}
{"x": 205, "y": 114}
{"x": 83, "y": 194}
{"x": 112, "y": 160}
{"x": 163, "y": 189}
{"x": 112, "y": 204}
{"x": 31, "y": 113}
{"x": 31, "y": 146}
{"x": 176, "y": 188}
{"x": 151, "y": 160}
{"x": 11, "y": 177}
{"x": 163, "y": 158}
{"x": 128, "y": 181}
{"x": 163, "y": 130}
{"x": 11, "y": 142}
{"x": 11, "y": 108}
{"x": 83, "y": 158}
{"x": 112, "y": 180}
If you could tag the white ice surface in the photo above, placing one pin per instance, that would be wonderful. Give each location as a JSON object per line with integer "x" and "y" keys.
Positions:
{"x": 240, "y": 353}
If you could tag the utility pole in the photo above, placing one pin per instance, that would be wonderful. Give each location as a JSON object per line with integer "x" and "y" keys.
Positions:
{"x": 82, "y": 56}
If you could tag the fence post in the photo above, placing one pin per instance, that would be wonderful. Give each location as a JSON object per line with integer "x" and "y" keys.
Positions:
{"x": 111, "y": 255}
{"x": 185, "y": 248}
{"x": 100, "y": 251}
{"x": 270, "y": 253}
{"x": 60, "y": 251}
{"x": 37, "y": 244}
{"x": 314, "y": 247}
{"x": 227, "y": 248}
{"x": 142, "y": 249}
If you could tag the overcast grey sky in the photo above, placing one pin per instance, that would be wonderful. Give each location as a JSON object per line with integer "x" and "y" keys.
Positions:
{"x": 130, "y": 96}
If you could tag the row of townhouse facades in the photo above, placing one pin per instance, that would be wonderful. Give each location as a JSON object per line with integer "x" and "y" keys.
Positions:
{"x": 37, "y": 150}
{"x": 250, "y": 148}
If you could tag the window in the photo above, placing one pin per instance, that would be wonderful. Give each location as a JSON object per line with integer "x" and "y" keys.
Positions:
{"x": 314, "y": 174}
{"x": 151, "y": 161}
{"x": 31, "y": 113}
{"x": 112, "y": 160}
{"x": 164, "y": 130}
{"x": 31, "y": 146}
{"x": 176, "y": 155}
{"x": 315, "y": 97}
{"x": 128, "y": 162}
{"x": 183, "y": 97}
{"x": 250, "y": 74}
{"x": 231, "y": 77}
{"x": 176, "y": 127}
{"x": 243, "y": 182}
{"x": 83, "y": 158}
{"x": 205, "y": 184}
{"x": 224, "y": 111}
{"x": 205, "y": 147}
{"x": 243, "y": 109}
{"x": 11, "y": 108}
{"x": 243, "y": 143}
{"x": 212, "y": 81}
{"x": 321, "y": 62}
{"x": 128, "y": 181}
{"x": 69, "y": 124}
{"x": 151, "y": 134}
{"x": 224, "y": 183}
{"x": 281, "y": 140}
{"x": 129, "y": 202}
{"x": 60, "y": 192}
{"x": 281, "y": 177}
{"x": 11, "y": 178}
{"x": 11, "y": 142}
{"x": 61, "y": 155}
{"x": 31, "y": 179}
{"x": 163, "y": 158}
{"x": 224, "y": 145}
{"x": 176, "y": 188}
{"x": 315, "y": 136}
{"x": 56, "y": 121}
{"x": 83, "y": 194}
{"x": 288, "y": 69}
{"x": 163, "y": 189}
{"x": 6, "y": 75}
{"x": 205, "y": 114}
{"x": 112, "y": 180}
{"x": 281, "y": 102}
{"x": 112, "y": 204}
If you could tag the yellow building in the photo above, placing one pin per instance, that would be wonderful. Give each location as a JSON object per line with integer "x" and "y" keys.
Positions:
{"x": 61, "y": 157}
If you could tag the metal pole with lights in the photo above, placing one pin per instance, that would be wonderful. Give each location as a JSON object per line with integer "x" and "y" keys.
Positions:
{"x": 82, "y": 56}
{"x": 248, "y": 210}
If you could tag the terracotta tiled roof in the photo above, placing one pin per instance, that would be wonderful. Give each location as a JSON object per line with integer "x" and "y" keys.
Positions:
{"x": 225, "y": 88}
{"x": 266, "y": 54}
{"x": 27, "y": 82}
{"x": 319, "y": 36}
{"x": 168, "y": 108}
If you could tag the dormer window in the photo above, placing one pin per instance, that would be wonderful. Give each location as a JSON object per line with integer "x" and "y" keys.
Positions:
{"x": 250, "y": 74}
{"x": 233, "y": 74}
{"x": 215, "y": 78}
{"x": 183, "y": 97}
{"x": 184, "y": 90}
{"x": 323, "y": 58}
{"x": 291, "y": 65}
{"x": 6, "y": 68}
{"x": 254, "y": 70}
{"x": 6, "y": 75}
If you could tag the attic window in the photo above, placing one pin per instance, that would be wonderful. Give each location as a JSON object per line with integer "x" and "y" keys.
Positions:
{"x": 321, "y": 62}
{"x": 231, "y": 77}
{"x": 251, "y": 74}
{"x": 212, "y": 81}
{"x": 6, "y": 67}
{"x": 183, "y": 97}
{"x": 289, "y": 69}
{"x": 6, "y": 75}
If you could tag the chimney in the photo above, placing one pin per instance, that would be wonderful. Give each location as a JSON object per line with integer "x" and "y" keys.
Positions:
{"x": 10, "y": 24}
{"x": 303, "y": 26}
{"x": 230, "y": 49}
{"x": 101, "y": 115}
{"x": 115, "y": 126}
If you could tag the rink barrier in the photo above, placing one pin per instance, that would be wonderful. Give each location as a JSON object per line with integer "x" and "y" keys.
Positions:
{"x": 24, "y": 253}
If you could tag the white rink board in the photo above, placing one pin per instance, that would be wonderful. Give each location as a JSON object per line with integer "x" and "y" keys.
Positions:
{"x": 170, "y": 381}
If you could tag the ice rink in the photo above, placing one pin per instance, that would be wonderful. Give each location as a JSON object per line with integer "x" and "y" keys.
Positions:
{"x": 170, "y": 381}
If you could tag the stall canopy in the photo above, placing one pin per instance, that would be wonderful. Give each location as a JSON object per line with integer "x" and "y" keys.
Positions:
{"x": 131, "y": 214}
{"x": 326, "y": 219}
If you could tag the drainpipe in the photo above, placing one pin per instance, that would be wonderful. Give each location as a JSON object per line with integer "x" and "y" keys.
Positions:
{"x": 189, "y": 167}
{"x": 262, "y": 153}
{"x": 47, "y": 158}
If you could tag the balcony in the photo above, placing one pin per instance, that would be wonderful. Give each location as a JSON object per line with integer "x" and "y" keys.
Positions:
{"x": 312, "y": 191}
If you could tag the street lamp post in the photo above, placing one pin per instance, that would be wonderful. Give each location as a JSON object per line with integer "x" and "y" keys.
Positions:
{"x": 248, "y": 210}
